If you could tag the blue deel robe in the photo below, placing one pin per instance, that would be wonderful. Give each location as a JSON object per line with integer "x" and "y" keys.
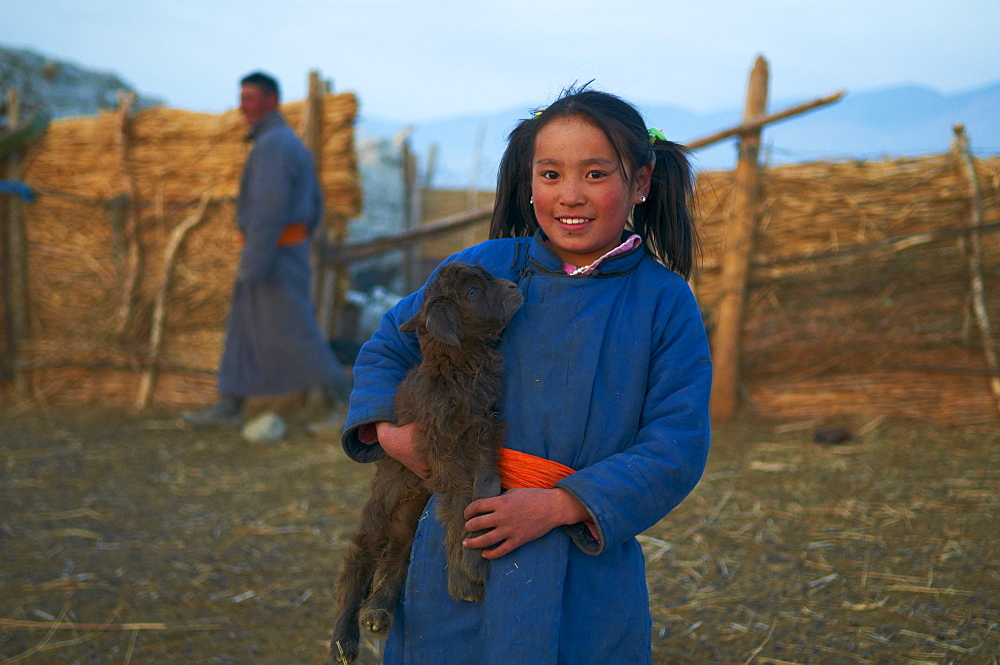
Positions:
{"x": 607, "y": 373}
{"x": 273, "y": 343}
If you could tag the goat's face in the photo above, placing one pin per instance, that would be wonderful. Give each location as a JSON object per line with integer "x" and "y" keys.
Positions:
{"x": 465, "y": 302}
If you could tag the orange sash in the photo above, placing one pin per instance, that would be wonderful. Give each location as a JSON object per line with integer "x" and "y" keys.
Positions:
{"x": 519, "y": 469}
{"x": 292, "y": 235}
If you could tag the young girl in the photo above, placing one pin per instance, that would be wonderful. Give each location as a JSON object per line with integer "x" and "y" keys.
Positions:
{"x": 607, "y": 372}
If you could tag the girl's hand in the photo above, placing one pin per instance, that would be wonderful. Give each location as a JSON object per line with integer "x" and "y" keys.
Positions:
{"x": 398, "y": 443}
{"x": 519, "y": 516}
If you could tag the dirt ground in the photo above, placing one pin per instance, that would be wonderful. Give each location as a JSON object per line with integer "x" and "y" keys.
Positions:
{"x": 125, "y": 539}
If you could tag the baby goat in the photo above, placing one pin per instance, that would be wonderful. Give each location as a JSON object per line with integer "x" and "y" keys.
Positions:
{"x": 454, "y": 393}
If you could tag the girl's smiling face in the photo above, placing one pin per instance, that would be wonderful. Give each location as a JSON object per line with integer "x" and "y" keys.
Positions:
{"x": 580, "y": 195}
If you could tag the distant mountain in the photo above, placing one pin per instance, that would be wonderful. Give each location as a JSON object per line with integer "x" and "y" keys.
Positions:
{"x": 900, "y": 121}
{"x": 893, "y": 122}
{"x": 62, "y": 88}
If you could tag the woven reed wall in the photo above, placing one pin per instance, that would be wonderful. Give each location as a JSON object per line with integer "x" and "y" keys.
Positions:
{"x": 89, "y": 331}
{"x": 859, "y": 303}
{"x": 839, "y": 324}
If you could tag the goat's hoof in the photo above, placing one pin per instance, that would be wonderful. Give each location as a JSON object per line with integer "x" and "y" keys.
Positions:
{"x": 343, "y": 651}
{"x": 467, "y": 589}
{"x": 376, "y": 621}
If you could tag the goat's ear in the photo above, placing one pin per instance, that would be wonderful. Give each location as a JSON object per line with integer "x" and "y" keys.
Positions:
{"x": 442, "y": 322}
{"x": 411, "y": 325}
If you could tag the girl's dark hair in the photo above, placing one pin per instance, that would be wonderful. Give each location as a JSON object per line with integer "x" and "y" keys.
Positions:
{"x": 664, "y": 221}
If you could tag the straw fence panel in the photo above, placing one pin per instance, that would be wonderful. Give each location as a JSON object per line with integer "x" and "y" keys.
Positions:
{"x": 109, "y": 195}
{"x": 859, "y": 297}
{"x": 441, "y": 203}
{"x": 843, "y": 320}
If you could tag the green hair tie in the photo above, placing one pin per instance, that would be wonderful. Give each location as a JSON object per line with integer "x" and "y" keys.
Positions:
{"x": 655, "y": 134}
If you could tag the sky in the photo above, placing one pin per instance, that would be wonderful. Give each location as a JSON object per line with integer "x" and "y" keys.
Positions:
{"x": 417, "y": 60}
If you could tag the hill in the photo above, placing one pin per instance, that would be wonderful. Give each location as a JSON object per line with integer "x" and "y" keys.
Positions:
{"x": 63, "y": 88}
{"x": 893, "y": 122}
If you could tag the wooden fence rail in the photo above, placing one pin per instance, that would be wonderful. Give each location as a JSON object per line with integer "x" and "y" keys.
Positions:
{"x": 351, "y": 252}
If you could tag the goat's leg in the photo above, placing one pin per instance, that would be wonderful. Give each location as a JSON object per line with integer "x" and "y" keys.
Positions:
{"x": 451, "y": 512}
{"x": 390, "y": 575}
{"x": 360, "y": 562}
{"x": 354, "y": 584}
{"x": 486, "y": 485}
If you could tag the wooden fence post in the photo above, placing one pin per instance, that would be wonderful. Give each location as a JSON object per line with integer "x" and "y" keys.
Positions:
{"x": 324, "y": 275}
{"x": 973, "y": 245}
{"x": 16, "y": 263}
{"x": 312, "y": 138}
{"x": 133, "y": 256}
{"x": 737, "y": 253}
{"x": 330, "y": 281}
{"x": 411, "y": 217}
{"x": 312, "y": 122}
{"x": 472, "y": 194}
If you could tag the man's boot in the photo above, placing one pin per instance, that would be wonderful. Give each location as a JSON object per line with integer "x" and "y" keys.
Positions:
{"x": 225, "y": 413}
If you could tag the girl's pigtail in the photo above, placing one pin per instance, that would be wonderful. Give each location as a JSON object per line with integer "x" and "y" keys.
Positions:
{"x": 665, "y": 219}
{"x": 512, "y": 213}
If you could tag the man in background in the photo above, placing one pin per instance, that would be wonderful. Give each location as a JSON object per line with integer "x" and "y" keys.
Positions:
{"x": 273, "y": 343}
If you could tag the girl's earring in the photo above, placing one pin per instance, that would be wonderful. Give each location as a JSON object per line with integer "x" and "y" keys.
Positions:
{"x": 531, "y": 200}
{"x": 642, "y": 198}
